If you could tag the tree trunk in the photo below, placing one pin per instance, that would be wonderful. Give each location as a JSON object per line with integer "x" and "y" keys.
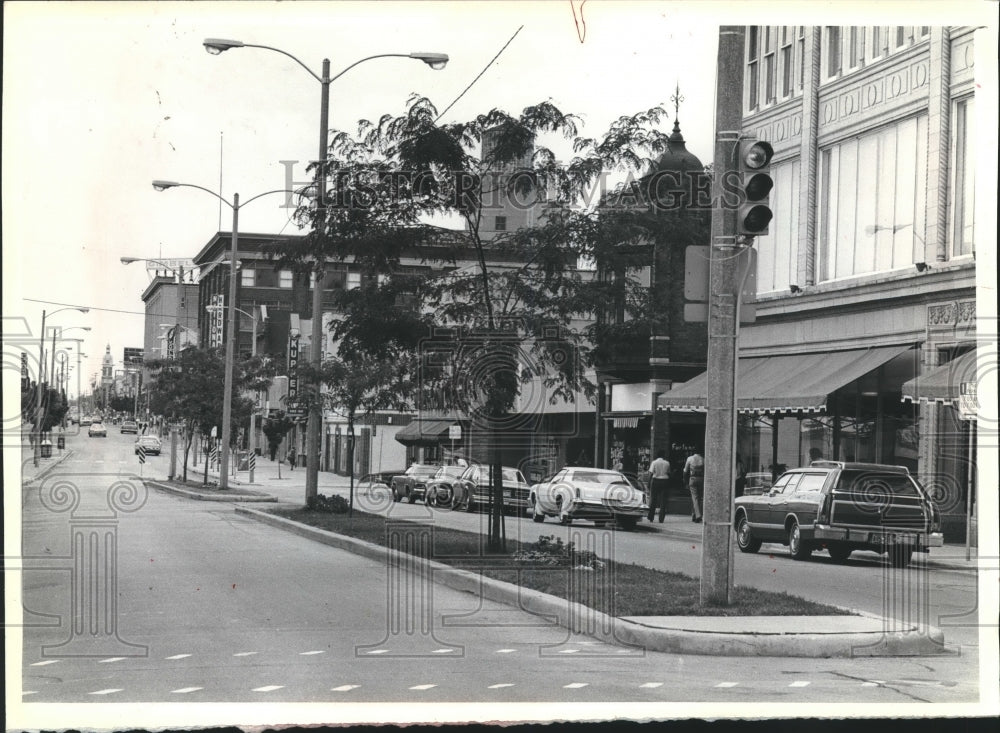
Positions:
{"x": 497, "y": 529}
{"x": 350, "y": 460}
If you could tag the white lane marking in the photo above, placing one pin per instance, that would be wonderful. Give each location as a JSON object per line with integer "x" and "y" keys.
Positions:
{"x": 422, "y": 687}
{"x": 442, "y": 651}
{"x": 799, "y": 683}
{"x": 378, "y": 651}
{"x": 267, "y": 688}
{"x": 506, "y": 651}
{"x": 307, "y": 654}
{"x": 29, "y": 692}
{"x": 575, "y": 685}
{"x": 499, "y": 685}
{"x": 345, "y": 688}
{"x": 185, "y": 690}
{"x": 727, "y": 684}
{"x": 651, "y": 684}
{"x": 42, "y": 664}
{"x": 179, "y": 656}
{"x": 869, "y": 684}
{"x": 106, "y": 692}
{"x": 244, "y": 654}
{"x": 569, "y": 651}
{"x": 110, "y": 659}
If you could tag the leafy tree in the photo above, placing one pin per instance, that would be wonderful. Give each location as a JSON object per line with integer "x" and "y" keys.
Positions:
{"x": 541, "y": 311}
{"x": 54, "y": 407}
{"x": 190, "y": 390}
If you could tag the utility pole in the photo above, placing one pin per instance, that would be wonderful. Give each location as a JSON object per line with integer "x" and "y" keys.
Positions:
{"x": 723, "y": 325}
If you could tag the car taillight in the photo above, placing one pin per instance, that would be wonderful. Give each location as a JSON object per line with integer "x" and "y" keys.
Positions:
{"x": 824, "y": 510}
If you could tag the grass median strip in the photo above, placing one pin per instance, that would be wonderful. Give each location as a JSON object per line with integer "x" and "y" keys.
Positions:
{"x": 560, "y": 570}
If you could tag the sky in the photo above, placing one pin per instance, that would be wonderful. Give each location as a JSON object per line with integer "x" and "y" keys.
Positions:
{"x": 101, "y": 98}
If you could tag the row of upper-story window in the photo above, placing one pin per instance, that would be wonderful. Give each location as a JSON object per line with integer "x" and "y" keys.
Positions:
{"x": 776, "y": 64}
{"x": 871, "y": 204}
{"x": 251, "y": 277}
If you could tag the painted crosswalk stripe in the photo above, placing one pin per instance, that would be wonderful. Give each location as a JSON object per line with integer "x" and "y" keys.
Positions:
{"x": 575, "y": 685}
{"x": 110, "y": 659}
{"x": 42, "y": 664}
{"x": 244, "y": 654}
{"x": 727, "y": 684}
{"x": 267, "y": 688}
{"x": 499, "y": 685}
{"x": 378, "y": 651}
{"x": 651, "y": 684}
{"x": 442, "y": 651}
{"x": 29, "y": 692}
{"x": 506, "y": 651}
{"x": 422, "y": 687}
{"x": 799, "y": 683}
{"x": 178, "y": 656}
{"x": 569, "y": 651}
{"x": 307, "y": 654}
{"x": 869, "y": 684}
{"x": 106, "y": 692}
{"x": 185, "y": 690}
{"x": 345, "y": 688}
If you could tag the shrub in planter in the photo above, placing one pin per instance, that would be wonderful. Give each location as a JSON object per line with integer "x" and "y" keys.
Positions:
{"x": 330, "y": 504}
{"x": 551, "y": 550}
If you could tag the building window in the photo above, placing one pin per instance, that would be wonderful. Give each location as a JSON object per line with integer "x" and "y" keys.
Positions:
{"x": 787, "y": 62}
{"x": 753, "y": 67}
{"x": 778, "y": 251}
{"x": 353, "y": 280}
{"x": 855, "y": 47}
{"x": 769, "y": 64}
{"x": 831, "y": 60}
{"x": 248, "y": 277}
{"x": 963, "y": 183}
{"x": 801, "y": 54}
{"x": 873, "y": 201}
{"x": 285, "y": 278}
{"x": 500, "y": 224}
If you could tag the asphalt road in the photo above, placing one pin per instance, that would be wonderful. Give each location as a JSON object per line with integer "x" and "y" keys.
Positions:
{"x": 203, "y": 605}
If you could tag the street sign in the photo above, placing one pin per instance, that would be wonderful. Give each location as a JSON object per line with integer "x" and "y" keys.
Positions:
{"x": 455, "y": 432}
{"x": 968, "y": 404}
{"x": 142, "y": 453}
{"x": 132, "y": 355}
{"x": 215, "y": 431}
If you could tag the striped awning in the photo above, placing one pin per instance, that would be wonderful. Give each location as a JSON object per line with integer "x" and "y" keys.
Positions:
{"x": 786, "y": 383}
{"x": 944, "y": 383}
{"x": 625, "y": 422}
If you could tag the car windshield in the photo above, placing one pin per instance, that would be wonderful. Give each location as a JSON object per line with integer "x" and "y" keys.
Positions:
{"x": 599, "y": 477}
{"x": 449, "y": 472}
{"x": 421, "y": 470}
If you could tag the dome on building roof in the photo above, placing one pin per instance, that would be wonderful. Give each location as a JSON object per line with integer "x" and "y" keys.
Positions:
{"x": 677, "y": 157}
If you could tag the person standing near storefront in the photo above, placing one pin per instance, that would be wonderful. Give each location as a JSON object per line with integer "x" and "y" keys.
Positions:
{"x": 694, "y": 479}
{"x": 659, "y": 471}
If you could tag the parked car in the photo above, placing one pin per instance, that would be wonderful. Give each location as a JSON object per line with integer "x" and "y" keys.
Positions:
{"x": 597, "y": 494}
{"x": 841, "y": 507}
{"x": 441, "y": 488}
{"x": 86, "y": 420}
{"x": 129, "y": 427}
{"x": 758, "y": 482}
{"x": 97, "y": 429}
{"x": 412, "y": 484}
{"x": 472, "y": 490}
{"x": 150, "y": 442}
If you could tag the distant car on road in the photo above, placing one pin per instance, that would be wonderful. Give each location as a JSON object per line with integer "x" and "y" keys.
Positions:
{"x": 129, "y": 427}
{"x": 412, "y": 484}
{"x": 150, "y": 442}
{"x": 841, "y": 507}
{"x": 86, "y": 420}
{"x": 97, "y": 430}
{"x": 441, "y": 488}
{"x": 597, "y": 494}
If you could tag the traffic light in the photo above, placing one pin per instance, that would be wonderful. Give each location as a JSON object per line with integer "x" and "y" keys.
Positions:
{"x": 754, "y": 212}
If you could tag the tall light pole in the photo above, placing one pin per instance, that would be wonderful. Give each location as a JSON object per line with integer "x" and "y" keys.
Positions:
{"x": 436, "y": 61}
{"x": 227, "y": 396}
{"x": 41, "y": 378}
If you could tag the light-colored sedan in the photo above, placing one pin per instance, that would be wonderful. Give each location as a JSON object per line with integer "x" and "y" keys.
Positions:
{"x": 150, "y": 442}
{"x": 597, "y": 494}
{"x": 97, "y": 429}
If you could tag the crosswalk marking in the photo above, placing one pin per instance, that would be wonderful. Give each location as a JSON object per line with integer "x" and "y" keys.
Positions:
{"x": 306, "y": 654}
{"x": 42, "y": 664}
{"x": 378, "y": 651}
{"x": 106, "y": 692}
{"x": 442, "y": 651}
{"x": 499, "y": 685}
{"x": 506, "y": 651}
{"x": 799, "y": 683}
{"x": 575, "y": 685}
{"x": 727, "y": 684}
{"x": 651, "y": 684}
{"x": 110, "y": 659}
{"x": 422, "y": 687}
{"x": 267, "y": 688}
{"x": 345, "y": 688}
{"x": 29, "y": 692}
{"x": 178, "y": 656}
{"x": 185, "y": 690}
{"x": 569, "y": 651}
{"x": 244, "y": 654}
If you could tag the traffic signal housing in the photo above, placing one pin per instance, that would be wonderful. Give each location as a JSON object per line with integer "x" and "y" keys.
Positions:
{"x": 755, "y": 211}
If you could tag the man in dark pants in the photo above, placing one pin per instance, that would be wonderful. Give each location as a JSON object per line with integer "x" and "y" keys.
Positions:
{"x": 659, "y": 473}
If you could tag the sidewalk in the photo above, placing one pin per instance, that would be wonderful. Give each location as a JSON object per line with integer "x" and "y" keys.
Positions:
{"x": 30, "y": 472}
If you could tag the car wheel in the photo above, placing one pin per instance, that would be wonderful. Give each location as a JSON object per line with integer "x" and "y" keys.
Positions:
{"x": 744, "y": 537}
{"x": 395, "y": 494}
{"x": 626, "y": 523}
{"x": 900, "y": 556}
{"x": 839, "y": 553}
{"x": 796, "y": 546}
{"x": 536, "y": 514}
{"x": 563, "y": 517}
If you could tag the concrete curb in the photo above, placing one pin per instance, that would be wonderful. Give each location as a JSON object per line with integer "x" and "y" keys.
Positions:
{"x": 48, "y": 469}
{"x": 204, "y": 497}
{"x": 675, "y": 639}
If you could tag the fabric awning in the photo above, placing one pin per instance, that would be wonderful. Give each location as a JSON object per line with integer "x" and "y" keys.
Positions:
{"x": 943, "y": 383}
{"x": 625, "y": 422}
{"x": 432, "y": 431}
{"x": 789, "y": 382}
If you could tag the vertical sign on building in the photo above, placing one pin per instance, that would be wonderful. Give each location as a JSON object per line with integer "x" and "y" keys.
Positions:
{"x": 25, "y": 383}
{"x": 293, "y": 374}
{"x": 215, "y": 329}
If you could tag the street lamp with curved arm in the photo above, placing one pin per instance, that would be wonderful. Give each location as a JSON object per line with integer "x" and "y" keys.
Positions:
{"x": 436, "y": 61}
{"x": 227, "y": 397}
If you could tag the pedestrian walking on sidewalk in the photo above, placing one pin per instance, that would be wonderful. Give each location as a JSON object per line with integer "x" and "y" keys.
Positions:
{"x": 659, "y": 471}
{"x": 291, "y": 458}
{"x": 694, "y": 479}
